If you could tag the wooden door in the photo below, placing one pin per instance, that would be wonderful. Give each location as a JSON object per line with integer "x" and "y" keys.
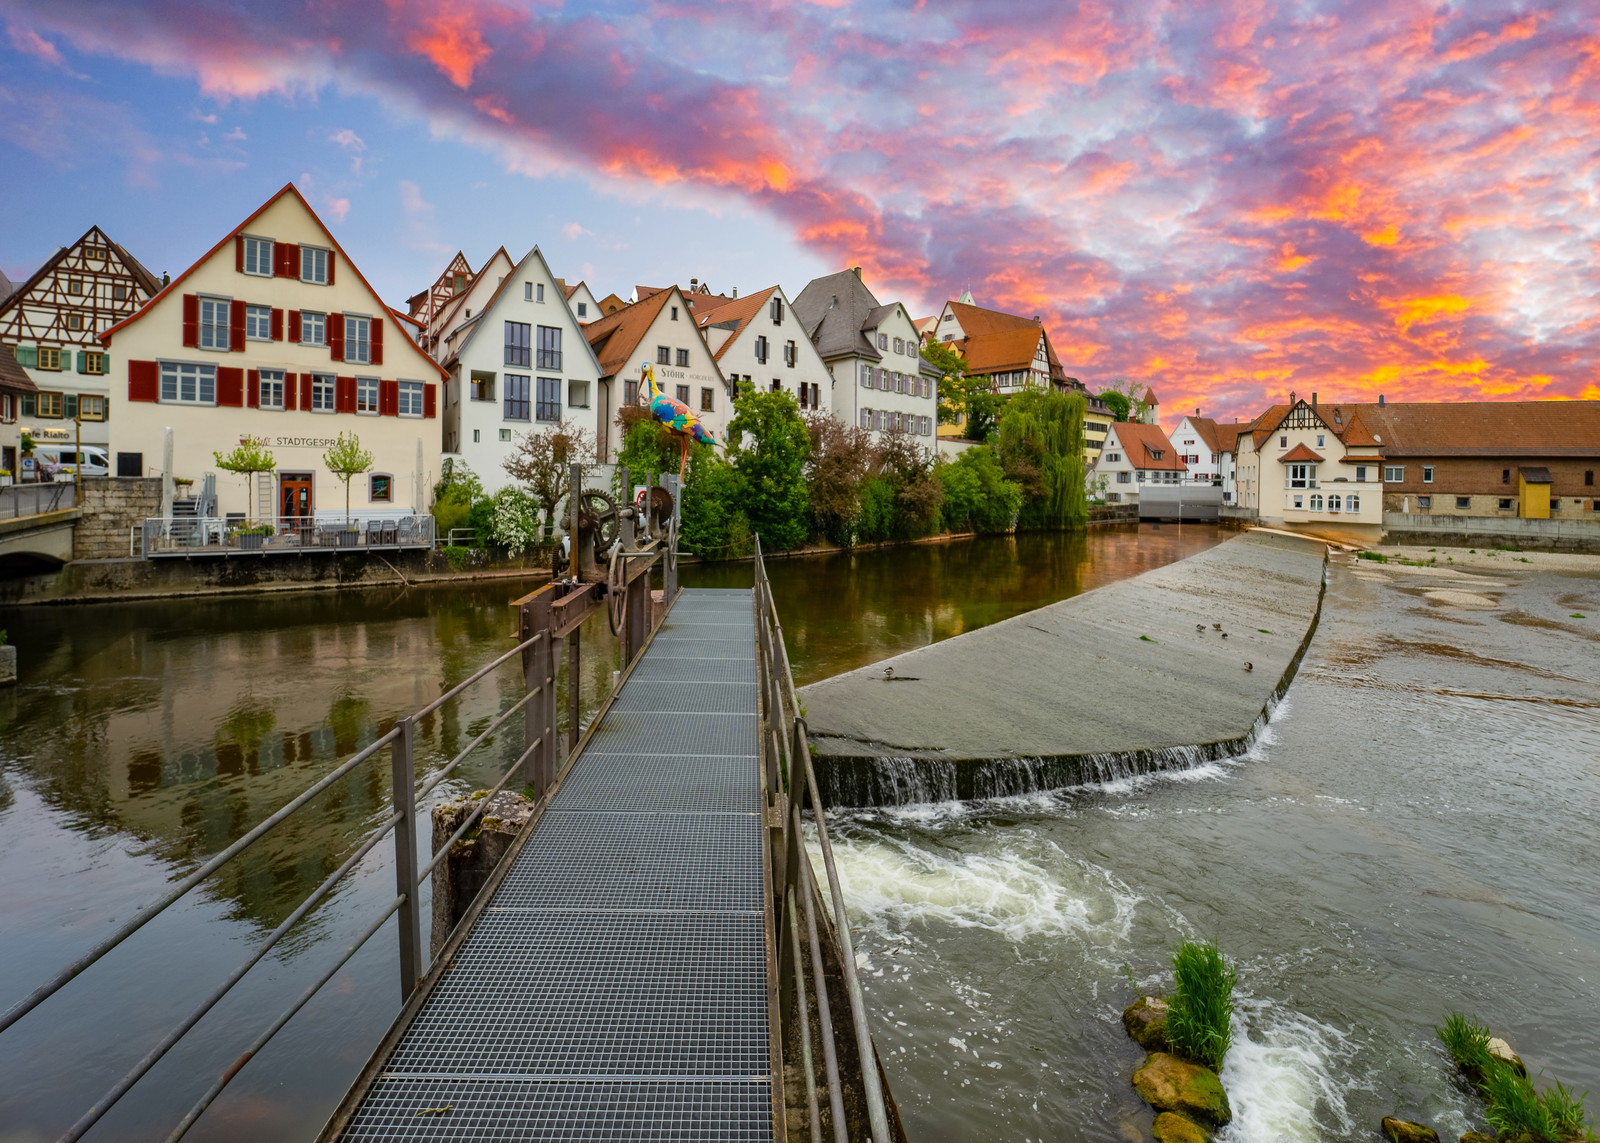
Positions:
{"x": 295, "y": 506}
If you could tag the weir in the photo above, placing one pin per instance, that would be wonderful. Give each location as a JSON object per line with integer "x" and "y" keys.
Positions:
{"x": 1170, "y": 669}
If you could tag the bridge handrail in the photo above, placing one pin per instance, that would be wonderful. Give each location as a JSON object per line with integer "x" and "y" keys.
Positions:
{"x": 791, "y": 779}
{"x": 12, "y": 496}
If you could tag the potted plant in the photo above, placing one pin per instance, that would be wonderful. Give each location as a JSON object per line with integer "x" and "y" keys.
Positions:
{"x": 252, "y": 536}
{"x": 5, "y": 477}
{"x": 346, "y": 459}
{"x": 27, "y": 446}
{"x": 183, "y": 483}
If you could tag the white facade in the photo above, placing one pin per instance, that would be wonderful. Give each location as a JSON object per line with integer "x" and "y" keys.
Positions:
{"x": 585, "y": 306}
{"x": 471, "y": 300}
{"x": 520, "y": 364}
{"x": 758, "y": 339}
{"x": 275, "y": 336}
{"x": 897, "y": 390}
{"x": 1291, "y": 471}
{"x": 1199, "y": 453}
{"x": 1128, "y": 461}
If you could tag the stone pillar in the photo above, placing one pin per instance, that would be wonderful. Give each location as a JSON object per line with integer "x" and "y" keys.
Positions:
{"x": 458, "y": 879}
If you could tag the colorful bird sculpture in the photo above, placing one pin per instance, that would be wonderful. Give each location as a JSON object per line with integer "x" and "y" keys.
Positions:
{"x": 674, "y": 414}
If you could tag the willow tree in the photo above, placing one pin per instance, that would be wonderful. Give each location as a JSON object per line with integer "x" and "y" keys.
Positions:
{"x": 1041, "y": 444}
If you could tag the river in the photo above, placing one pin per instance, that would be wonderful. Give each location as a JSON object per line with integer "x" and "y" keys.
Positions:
{"x": 146, "y": 736}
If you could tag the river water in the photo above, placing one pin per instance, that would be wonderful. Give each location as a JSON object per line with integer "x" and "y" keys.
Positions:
{"x": 145, "y": 737}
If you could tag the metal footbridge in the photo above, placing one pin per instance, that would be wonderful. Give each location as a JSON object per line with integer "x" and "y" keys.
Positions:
{"x": 616, "y": 984}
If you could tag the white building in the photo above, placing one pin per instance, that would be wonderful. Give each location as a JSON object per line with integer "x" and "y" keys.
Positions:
{"x": 275, "y": 336}
{"x": 585, "y": 306}
{"x": 872, "y": 351}
{"x": 1197, "y": 444}
{"x": 521, "y": 363}
{"x": 1296, "y": 470}
{"x": 472, "y": 295}
{"x": 758, "y": 339}
{"x": 1134, "y": 455}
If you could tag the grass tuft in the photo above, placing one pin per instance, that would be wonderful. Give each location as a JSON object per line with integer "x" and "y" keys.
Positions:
{"x": 1574, "y": 615}
{"x": 1514, "y": 1108}
{"x": 1375, "y": 557}
{"x": 1467, "y": 1041}
{"x": 1200, "y": 1013}
{"x": 1566, "y": 1112}
{"x": 1147, "y": 639}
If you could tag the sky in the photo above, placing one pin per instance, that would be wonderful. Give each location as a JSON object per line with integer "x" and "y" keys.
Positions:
{"x": 1225, "y": 201}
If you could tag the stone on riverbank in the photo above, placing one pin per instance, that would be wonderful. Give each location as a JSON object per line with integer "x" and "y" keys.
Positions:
{"x": 1403, "y": 1131}
{"x": 1170, "y": 1084}
{"x": 1477, "y": 1137}
{"x": 1502, "y": 1051}
{"x": 1146, "y": 1021}
{"x": 1170, "y": 1127}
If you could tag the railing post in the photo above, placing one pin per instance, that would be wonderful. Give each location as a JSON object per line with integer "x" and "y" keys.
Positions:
{"x": 409, "y": 918}
{"x": 669, "y": 571}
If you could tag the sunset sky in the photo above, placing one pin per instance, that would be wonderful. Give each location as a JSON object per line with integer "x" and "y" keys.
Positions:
{"x": 1226, "y": 201}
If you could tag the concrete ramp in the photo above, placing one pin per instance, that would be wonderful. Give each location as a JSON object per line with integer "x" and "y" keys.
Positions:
{"x": 1132, "y": 676}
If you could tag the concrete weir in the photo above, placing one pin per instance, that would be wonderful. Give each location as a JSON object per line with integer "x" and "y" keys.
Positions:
{"x": 1172, "y": 668}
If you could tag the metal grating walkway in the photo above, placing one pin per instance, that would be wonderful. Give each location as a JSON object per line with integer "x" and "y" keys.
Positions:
{"x": 616, "y": 986}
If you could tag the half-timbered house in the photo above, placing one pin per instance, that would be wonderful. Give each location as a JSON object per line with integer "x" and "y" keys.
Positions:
{"x": 274, "y": 335}
{"x": 53, "y": 323}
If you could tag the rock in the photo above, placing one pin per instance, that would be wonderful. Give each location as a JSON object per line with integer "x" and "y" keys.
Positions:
{"x": 1477, "y": 1137}
{"x": 1501, "y": 1051}
{"x": 1170, "y": 1084}
{"x": 459, "y": 877}
{"x": 1146, "y": 1021}
{"x": 1402, "y": 1131}
{"x": 1170, "y": 1127}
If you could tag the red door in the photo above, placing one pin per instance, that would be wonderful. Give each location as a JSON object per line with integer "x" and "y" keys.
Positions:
{"x": 294, "y": 500}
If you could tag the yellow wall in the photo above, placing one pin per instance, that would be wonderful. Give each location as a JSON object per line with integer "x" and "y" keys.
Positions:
{"x": 1534, "y": 500}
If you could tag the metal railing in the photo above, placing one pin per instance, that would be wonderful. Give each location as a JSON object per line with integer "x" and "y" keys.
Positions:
{"x": 812, "y": 932}
{"x": 18, "y": 500}
{"x": 180, "y": 535}
{"x": 545, "y": 619}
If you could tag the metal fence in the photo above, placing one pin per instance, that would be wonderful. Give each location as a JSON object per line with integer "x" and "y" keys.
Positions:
{"x": 812, "y": 931}
{"x": 18, "y": 500}
{"x": 213, "y": 535}
{"x": 537, "y": 656}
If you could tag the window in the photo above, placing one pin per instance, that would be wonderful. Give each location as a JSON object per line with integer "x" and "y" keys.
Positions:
{"x": 1505, "y": 504}
{"x": 477, "y": 436}
{"x": 119, "y": 293}
{"x": 458, "y": 282}
{"x": 51, "y": 405}
{"x": 682, "y": 358}
{"x": 366, "y": 394}
{"x": 1316, "y": 502}
{"x": 482, "y": 386}
{"x": 583, "y": 309}
{"x": 75, "y": 285}
{"x": 94, "y": 362}
{"x": 185, "y": 384}
{"x": 1427, "y": 474}
{"x": 775, "y": 310}
{"x": 518, "y": 334}
{"x": 1505, "y": 476}
{"x": 761, "y": 350}
{"x": 866, "y": 418}
{"x": 1302, "y": 476}
{"x": 1283, "y": 442}
{"x": 549, "y": 348}
{"x": 1113, "y": 498}
{"x": 630, "y": 392}
{"x": 271, "y": 396}
{"x": 577, "y": 394}
{"x": 314, "y": 265}
{"x": 380, "y": 488}
{"x": 1299, "y": 500}
{"x": 1588, "y": 476}
{"x": 1113, "y": 456}
{"x": 683, "y": 394}
{"x": 258, "y": 323}
{"x": 866, "y": 376}
{"x": 8, "y": 408}
{"x": 1322, "y": 440}
{"x": 516, "y": 404}
{"x": 322, "y": 390}
{"x": 663, "y": 355}
{"x": 883, "y": 341}
{"x": 1463, "y": 502}
{"x": 1124, "y": 477}
{"x": 75, "y": 321}
{"x": 1352, "y": 503}
{"x": 1393, "y": 474}
{"x": 548, "y": 405}
{"x": 777, "y": 385}
{"x": 1555, "y": 505}
{"x": 505, "y": 436}
{"x": 214, "y": 323}
{"x": 357, "y": 339}
{"x": 258, "y": 256}
{"x": 674, "y": 313}
{"x": 527, "y": 292}
{"x": 705, "y": 401}
{"x": 411, "y": 398}
{"x": 313, "y": 328}
{"x": 1361, "y": 472}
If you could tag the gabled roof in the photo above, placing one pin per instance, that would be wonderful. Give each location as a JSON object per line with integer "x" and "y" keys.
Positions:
{"x": 475, "y": 323}
{"x": 1478, "y": 428}
{"x": 1002, "y": 350}
{"x": 1300, "y": 454}
{"x": 1356, "y": 434}
{"x": 424, "y": 300}
{"x": 447, "y": 311}
{"x": 610, "y": 304}
{"x": 1207, "y": 428}
{"x": 333, "y": 243}
{"x": 834, "y": 310}
{"x": 12, "y": 375}
{"x": 740, "y": 312}
{"x": 146, "y": 280}
{"x": 977, "y": 320}
{"x": 1537, "y": 475}
{"x": 1228, "y": 435}
{"x": 615, "y": 338}
{"x": 1141, "y": 442}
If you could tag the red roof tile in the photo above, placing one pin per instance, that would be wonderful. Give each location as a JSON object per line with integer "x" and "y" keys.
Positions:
{"x": 1142, "y": 443}
{"x": 1300, "y": 454}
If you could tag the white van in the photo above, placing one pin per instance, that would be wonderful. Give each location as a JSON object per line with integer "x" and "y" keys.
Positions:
{"x": 67, "y": 459}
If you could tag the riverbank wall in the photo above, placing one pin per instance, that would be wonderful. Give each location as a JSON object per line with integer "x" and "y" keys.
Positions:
{"x": 1172, "y": 668}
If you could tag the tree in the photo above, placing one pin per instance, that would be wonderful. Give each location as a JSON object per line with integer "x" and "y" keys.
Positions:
{"x": 1040, "y": 445}
{"x": 836, "y": 469}
{"x": 767, "y": 446}
{"x": 458, "y": 489}
{"x": 541, "y": 462}
{"x": 714, "y": 523}
{"x": 1125, "y": 398}
{"x": 346, "y": 459}
{"x": 248, "y": 459}
{"x": 647, "y": 446}
{"x": 963, "y": 399}
{"x": 900, "y": 500}
{"x": 977, "y": 495}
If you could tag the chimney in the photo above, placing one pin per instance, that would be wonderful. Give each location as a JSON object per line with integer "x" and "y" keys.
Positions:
{"x": 1313, "y": 398}
{"x": 735, "y": 292}
{"x": 856, "y": 270}
{"x": 693, "y": 282}
{"x": 1037, "y": 320}
{"x": 1291, "y": 396}
{"x": 1380, "y": 400}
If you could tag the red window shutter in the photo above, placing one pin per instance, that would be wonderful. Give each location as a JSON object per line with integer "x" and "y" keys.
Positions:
{"x": 144, "y": 381}
{"x": 291, "y": 392}
{"x": 305, "y": 390}
{"x": 389, "y": 398}
{"x": 236, "y": 327}
{"x": 287, "y": 256}
{"x": 344, "y": 395}
{"x": 331, "y": 259}
{"x": 377, "y": 341}
{"x": 191, "y": 319}
{"x": 277, "y": 324}
{"x": 336, "y": 336}
{"x": 238, "y": 252}
{"x": 252, "y": 388}
{"x": 294, "y": 325}
{"x": 430, "y": 400}
{"x": 230, "y": 387}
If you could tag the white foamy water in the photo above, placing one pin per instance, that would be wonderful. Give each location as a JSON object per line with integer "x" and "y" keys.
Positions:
{"x": 1285, "y": 1077}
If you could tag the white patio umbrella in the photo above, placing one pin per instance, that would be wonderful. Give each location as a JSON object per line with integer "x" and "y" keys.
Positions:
{"x": 167, "y": 489}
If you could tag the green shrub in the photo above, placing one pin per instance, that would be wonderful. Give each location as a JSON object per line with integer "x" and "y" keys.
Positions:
{"x": 768, "y": 445}
{"x": 714, "y": 524}
{"x": 1467, "y": 1041}
{"x": 457, "y": 555}
{"x": 1200, "y": 1013}
{"x": 977, "y": 495}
